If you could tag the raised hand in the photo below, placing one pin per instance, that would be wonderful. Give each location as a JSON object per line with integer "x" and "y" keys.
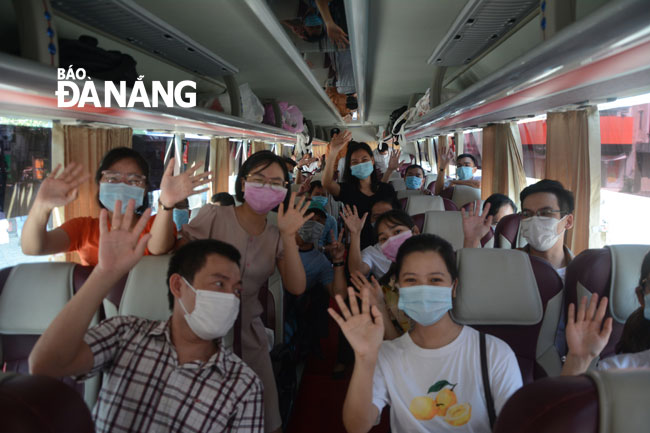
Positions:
{"x": 445, "y": 156}
{"x": 376, "y": 294}
{"x": 363, "y": 329}
{"x": 352, "y": 220}
{"x": 393, "y": 161}
{"x": 336, "y": 248}
{"x": 337, "y": 35}
{"x": 584, "y": 334}
{"x": 60, "y": 190}
{"x": 475, "y": 224}
{"x": 121, "y": 247}
{"x": 304, "y": 186}
{"x": 339, "y": 141}
{"x": 293, "y": 218}
{"x": 177, "y": 188}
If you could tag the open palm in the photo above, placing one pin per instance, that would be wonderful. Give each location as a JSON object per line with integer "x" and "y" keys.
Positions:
{"x": 177, "y": 188}
{"x": 339, "y": 141}
{"x": 475, "y": 223}
{"x": 363, "y": 329}
{"x": 375, "y": 293}
{"x": 352, "y": 220}
{"x": 585, "y": 337}
{"x": 393, "y": 162}
{"x": 62, "y": 189}
{"x": 290, "y": 220}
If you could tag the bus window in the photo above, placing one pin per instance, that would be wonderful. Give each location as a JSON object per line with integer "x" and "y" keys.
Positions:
{"x": 533, "y": 143}
{"x": 625, "y": 170}
{"x": 25, "y": 160}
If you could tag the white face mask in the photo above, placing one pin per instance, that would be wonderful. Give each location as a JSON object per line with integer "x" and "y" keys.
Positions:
{"x": 214, "y": 313}
{"x": 541, "y": 232}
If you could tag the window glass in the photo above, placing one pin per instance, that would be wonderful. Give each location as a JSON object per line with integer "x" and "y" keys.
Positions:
{"x": 533, "y": 143}
{"x": 474, "y": 144}
{"x": 196, "y": 151}
{"x": 625, "y": 171}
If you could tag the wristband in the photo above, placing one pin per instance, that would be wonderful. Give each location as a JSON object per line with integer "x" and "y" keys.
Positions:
{"x": 163, "y": 206}
{"x": 337, "y": 264}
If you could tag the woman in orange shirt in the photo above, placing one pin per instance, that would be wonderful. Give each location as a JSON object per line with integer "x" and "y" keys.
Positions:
{"x": 123, "y": 174}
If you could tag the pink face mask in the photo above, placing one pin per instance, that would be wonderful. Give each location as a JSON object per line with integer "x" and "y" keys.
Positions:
{"x": 261, "y": 198}
{"x": 392, "y": 244}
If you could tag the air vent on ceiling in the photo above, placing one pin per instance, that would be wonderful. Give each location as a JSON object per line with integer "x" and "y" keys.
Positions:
{"x": 480, "y": 24}
{"x": 127, "y": 21}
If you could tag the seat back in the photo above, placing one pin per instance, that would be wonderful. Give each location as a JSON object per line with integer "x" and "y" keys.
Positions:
{"x": 431, "y": 177}
{"x": 145, "y": 290}
{"x": 31, "y": 297}
{"x": 514, "y": 304}
{"x": 464, "y": 194}
{"x": 420, "y": 203}
{"x": 507, "y": 233}
{"x": 446, "y": 224}
{"x": 614, "y": 272}
{"x": 395, "y": 175}
{"x": 398, "y": 184}
{"x": 36, "y": 404}
{"x": 598, "y": 402}
{"x": 406, "y": 193}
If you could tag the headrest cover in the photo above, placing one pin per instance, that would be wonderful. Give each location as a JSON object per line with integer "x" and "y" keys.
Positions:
{"x": 464, "y": 194}
{"x": 145, "y": 291}
{"x": 626, "y": 269}
{"x": 33, "y": 295}
{"x": 623, "y": 399}
{"x": 407, "y": 193}
{"x": 398, "y": 184}
{"x": 496, "y": 287}
{"x": 423, "y": 203}
{"x": 446, "y": 224}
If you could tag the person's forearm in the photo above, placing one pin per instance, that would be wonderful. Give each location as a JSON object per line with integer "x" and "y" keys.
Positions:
{"x": 34, "y": 237}
{"x": 162, "y": 232}
{"x": 358, "y": 407}
{"x": 355, "y": 263}
{"x": 324, "y": 9}
{"x": 328, "y": 174}
{"x": 472, "y": 183}
{"x": 62, "y": 341}
{"x": 440, "y": 181}
{"x": 469, "y": 242}
{"x": 386, "y": 176}
{"x": 574, "y": 366}
{"x": 293, "y": 274}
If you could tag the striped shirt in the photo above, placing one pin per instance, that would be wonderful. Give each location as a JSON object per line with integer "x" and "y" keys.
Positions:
{"x": 145, "y": 390}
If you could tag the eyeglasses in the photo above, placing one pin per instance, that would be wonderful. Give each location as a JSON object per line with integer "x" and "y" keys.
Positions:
{"x": 275, "y": 184}
{"x": 546, "y": 212}
{"x": 132, "y": 179}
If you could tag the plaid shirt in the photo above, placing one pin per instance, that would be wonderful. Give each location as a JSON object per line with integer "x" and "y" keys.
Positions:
{"x": 145, "y": 390}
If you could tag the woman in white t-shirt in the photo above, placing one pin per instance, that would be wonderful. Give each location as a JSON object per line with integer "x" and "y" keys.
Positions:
{"x": 431, "y": 376}
{"x": 587, "y": 334}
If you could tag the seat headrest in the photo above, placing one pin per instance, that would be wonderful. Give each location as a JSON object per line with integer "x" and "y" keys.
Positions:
{"x": 395, "y": 175}
{"x": 446, "y": 224}
{"x": 421, "y": 203}
{"x": 398, "y": 184}
{"x": 407, "y": 193}
{"x": 464, "y": 194}
{"x": 145, "y": 291}
{"x": 33, "y": 295}
{"x": 626, "y": 268}
{"x": 507, "y": 232}
{"x": 623, "y": 399}
{"x": 485, "y": 296}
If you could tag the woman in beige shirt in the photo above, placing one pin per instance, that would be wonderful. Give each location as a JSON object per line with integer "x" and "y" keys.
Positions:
{"x": 262, "y": 184}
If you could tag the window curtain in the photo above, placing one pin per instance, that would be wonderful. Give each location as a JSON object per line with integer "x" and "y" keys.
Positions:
{"x": 503, "y": 168}
{"x": 86, "y": 146}
{"x": 443, "y": 147}
{"x": 258, "y": 146}
{"x": 573, "y": 158}
{"x": 220, "y": 164}
{"x": 459, "y": 139}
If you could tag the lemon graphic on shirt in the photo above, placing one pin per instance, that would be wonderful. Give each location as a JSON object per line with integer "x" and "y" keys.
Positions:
{"x": 444, "y": 400}
{"x": 458, "y": 414}
{"x": 423, "y": 408}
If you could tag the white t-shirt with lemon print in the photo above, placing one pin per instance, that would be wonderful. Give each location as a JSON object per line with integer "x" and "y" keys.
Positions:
{"x": 441, "y": 390}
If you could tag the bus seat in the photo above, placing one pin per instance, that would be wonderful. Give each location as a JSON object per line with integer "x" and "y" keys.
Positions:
{"x": 446, "y": 224}
{"x": 395, "y": 175}
{"x": 463, "y": 194}
{"x": 448, "y": 204}
{"x": 398, "y": 184}
{"x": 614, "y": 272}
{"x": 406, "y": 193}
{"x": 35, "y": 404}
{"x": 507, "y": 233}
{"x": 145, "y": 290}
{"x": 31, "y": 297}
{"x": 597, "y": 402}
{"x": 520, "y": 304}
{"x": 273, "y": 304}
{"x": 431, "y": 177}
{"x": 417, "y": 204}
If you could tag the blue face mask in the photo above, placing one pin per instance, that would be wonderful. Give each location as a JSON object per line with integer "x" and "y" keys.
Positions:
{"x": 319, "y": 200}
{"x": 646, "y": 309}
{"x": 181, "y": 216}
{"x": 425, "y": 304}
{"x": 363, "y": 170}
{"x": 313, "y": 20}
{"x": 413, "y": 182}
{"x": 464, "y": 173}
{"x": 290, "y": 177}
{"x": 111, "y": 192}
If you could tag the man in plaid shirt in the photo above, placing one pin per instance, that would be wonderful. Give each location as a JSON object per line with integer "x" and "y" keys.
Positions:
{"x": 160, "y": 376}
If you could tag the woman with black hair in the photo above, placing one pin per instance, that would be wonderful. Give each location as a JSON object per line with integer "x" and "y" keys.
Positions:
{"x": 122, "y": 175}
{"x": 262, "y": 185}
{"x": 360, "y": 187}
{"x": 431, "y": 377}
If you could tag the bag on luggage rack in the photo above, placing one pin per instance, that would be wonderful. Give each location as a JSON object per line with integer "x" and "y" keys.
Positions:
{"x": 292, "y": 118}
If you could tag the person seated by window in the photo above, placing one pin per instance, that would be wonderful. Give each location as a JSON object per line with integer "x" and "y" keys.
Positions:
{"x": 587, "y": 334}
{"x": 500, "y": 205}
{"x": 223, "y": 199}
{"x": 415, "y": 178}
{"x": 431, "y": 377}
{"x": 182, "y": 213}
{"x": 123, "y": 174}
{"x": 466, "y": 166}
{"x": 361, "y": 186}
{"x": 320, "y": 199}
{"x": 181, "y": 363}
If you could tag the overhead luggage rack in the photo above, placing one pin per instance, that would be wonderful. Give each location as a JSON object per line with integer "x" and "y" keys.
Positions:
{"x": 127, "y": 21}
{"x": 27, "y": 88}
